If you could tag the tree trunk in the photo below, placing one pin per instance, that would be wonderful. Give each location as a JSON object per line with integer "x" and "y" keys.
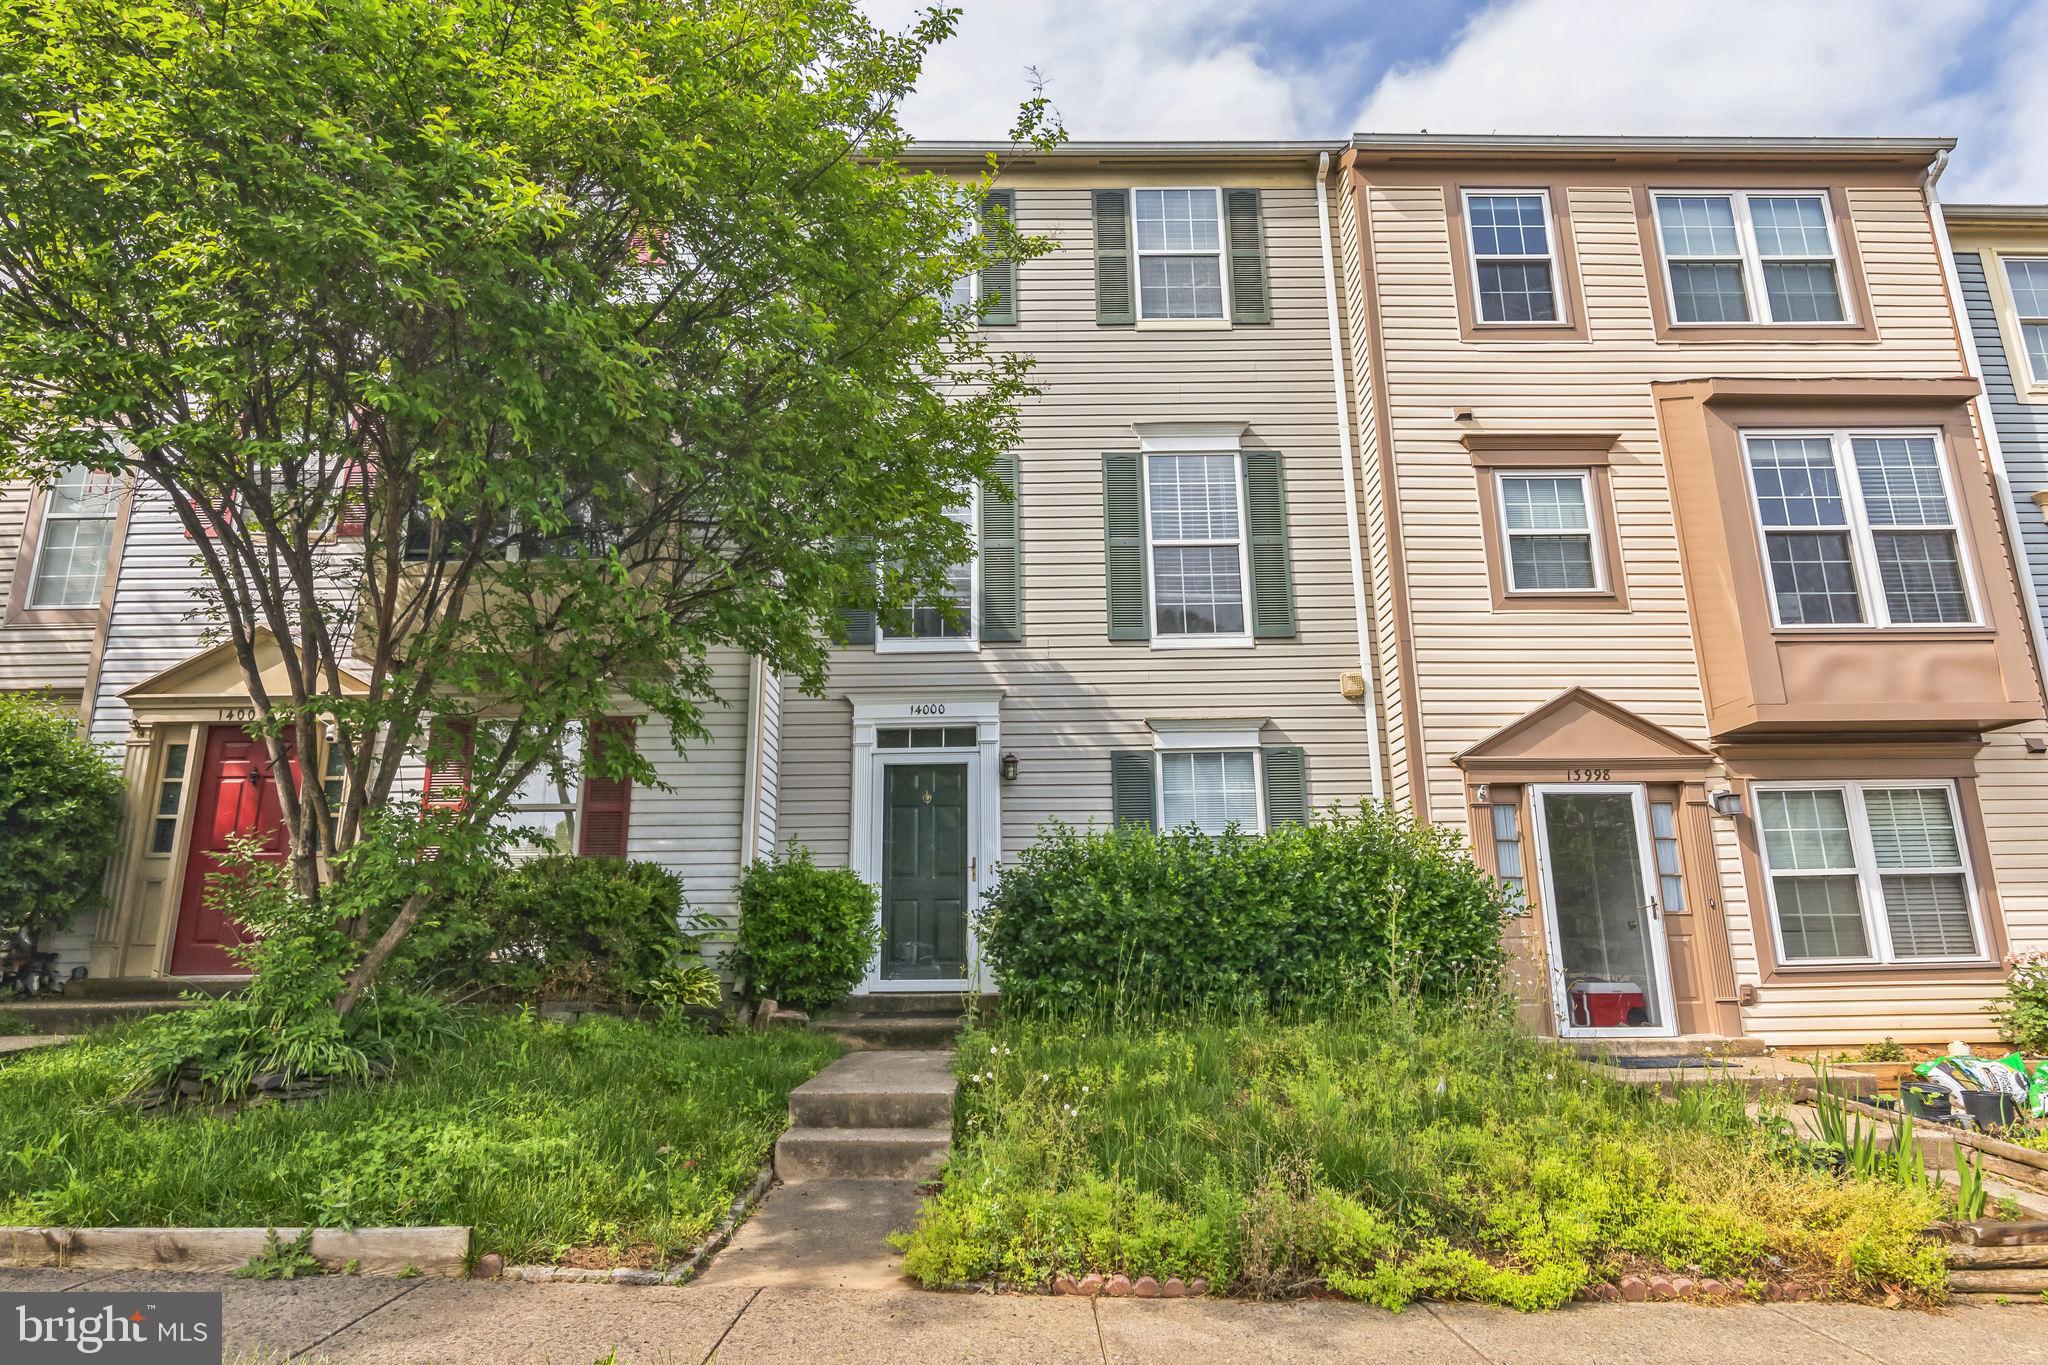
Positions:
{"x": 380, "y": 952}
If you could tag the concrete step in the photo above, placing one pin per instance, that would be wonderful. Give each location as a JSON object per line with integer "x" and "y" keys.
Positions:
{"x": 862, "y": 1153}
{"x": 955, "y": 1003}
{"x": 883, "y": 1089}
{"x": 1685, "y": 1045}
{"x": 150, "y": 987}
{"x": 65, "y": 1015}
{"x": 887, "y": 1032}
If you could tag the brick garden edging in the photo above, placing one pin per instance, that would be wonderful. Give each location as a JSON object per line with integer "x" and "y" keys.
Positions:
{"x": 1123, "y": 1286}
{"x": 441, "y": 1252}
{"x": 680, "y": 1274}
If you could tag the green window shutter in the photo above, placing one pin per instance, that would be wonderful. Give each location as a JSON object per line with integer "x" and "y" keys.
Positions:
{"x": 999, "y": 278}
{"x": 1123, "y": 530}
{"x": 1265, "y": 503}
{"x": 1286, "y": 768}
{"x": 1115, "y": 301}
{"x": 1250, "y": 299}
{"x": 859, "y": 624}
{"x": 1002, "y": 594}
{"x": 1131, "y": 797}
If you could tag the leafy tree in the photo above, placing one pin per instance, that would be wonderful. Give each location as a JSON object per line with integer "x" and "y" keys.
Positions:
{"x": 614, "y": 330}
{"x": 60, "y": 798}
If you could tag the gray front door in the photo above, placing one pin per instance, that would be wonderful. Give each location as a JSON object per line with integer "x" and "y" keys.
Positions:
{"x": 924, "y": 872}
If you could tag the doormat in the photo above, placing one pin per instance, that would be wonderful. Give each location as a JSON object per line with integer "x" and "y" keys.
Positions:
{"x": 1673, "y": 1063}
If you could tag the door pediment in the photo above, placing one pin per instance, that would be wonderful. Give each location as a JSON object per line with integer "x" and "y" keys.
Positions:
{"x": 213, "y": 678}
{"x": 1578, "y": 729}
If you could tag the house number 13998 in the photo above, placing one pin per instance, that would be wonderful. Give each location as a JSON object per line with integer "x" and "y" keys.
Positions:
{"x": 1590, "y": 774}
{"x": 928, "y": 708}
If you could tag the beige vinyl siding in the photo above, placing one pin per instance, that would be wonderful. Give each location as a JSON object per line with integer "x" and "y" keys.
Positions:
{"x": 1070, "y": 694}
{"x": 1478, "y": 669}
{"x": 1372, "y": 494}
{"x": 697, "y": 829}
{"x": 35, "y": 658}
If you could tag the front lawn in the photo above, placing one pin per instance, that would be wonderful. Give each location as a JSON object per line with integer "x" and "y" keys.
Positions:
{"x": 1383, "y": 1158}
{"x": 619, "y": 1142}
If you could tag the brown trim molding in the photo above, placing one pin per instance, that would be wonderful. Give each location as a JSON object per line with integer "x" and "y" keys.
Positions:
{"x": 1855, "y": 287}
{"x": 1412, "y": 745}
{"x": 1572, "y": 327}
{"x": 1568, "y": 452}
{"x": 1759, "y": 677}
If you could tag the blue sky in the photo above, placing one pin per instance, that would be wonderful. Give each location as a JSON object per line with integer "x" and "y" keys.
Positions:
{"x": 1976, "y": 70}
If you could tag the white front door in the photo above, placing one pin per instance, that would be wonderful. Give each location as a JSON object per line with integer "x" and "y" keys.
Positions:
{"x": 1610, "y": 974}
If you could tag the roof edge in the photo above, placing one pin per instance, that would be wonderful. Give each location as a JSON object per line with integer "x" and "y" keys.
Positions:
{"x": 938, "y": 149}
{"x": 1995, "y": 213}
{"x": 1470, "y": 144}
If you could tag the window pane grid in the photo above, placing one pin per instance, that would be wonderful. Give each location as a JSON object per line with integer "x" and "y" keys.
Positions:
{"x": 952, "y": 620}
{"x": 1209, "y": 791}
{"x": 1720, "y": 247}
{"x": 1832, "y": 852}
{"x": 1507, "y": 847}
{"x": 1197, "y": 568}
{"x": 1549, "y": 531}
{"x": 78, "y": 533}
{"x": 1511, "y": 254}
{"x": 1180, "y": 253}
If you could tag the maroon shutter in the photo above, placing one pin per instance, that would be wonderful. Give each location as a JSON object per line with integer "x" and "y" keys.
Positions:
{"x": 607, "y": 801}
{"x": 448, "y": 769}
{"x": 355, "y": 499}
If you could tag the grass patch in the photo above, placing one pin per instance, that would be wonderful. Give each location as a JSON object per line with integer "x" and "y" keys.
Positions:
{"x": 1386, "y": 1158}
{"x": 609, "y": 1141}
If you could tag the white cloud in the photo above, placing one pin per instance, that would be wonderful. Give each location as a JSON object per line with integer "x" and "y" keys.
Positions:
{"x": 1130, "y": 69}
{"x": 1845, "y": 67}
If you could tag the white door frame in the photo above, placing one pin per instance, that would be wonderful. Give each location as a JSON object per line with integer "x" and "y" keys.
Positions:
{"x": 979, "y": 707}
{"x": 1660, "y": 957}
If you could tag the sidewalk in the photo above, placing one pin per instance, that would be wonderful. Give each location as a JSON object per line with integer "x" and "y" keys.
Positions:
{"x": 442, "y": 1322}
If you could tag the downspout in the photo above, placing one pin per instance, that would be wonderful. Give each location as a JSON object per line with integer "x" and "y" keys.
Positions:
{"x": 1339, "y": 385}
{"x": 750, "y": 807}
{"x": 1987, "y": 421}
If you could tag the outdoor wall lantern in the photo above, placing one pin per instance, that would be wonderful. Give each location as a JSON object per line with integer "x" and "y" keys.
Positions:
{"x": 1728, "y": 803}
{"x": 1009, "y": 767}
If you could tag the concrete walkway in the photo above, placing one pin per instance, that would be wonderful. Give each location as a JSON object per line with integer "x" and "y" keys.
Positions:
{"x": 445, "y": 1323}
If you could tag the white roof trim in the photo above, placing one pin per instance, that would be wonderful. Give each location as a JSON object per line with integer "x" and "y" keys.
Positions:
{"x": 1223, "y": 732}
{"x": 1166, "y": 437}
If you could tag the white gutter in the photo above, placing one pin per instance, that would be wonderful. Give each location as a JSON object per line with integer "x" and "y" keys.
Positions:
{"x": 1355, "y": 541}
{"x": 1987, "y": 420}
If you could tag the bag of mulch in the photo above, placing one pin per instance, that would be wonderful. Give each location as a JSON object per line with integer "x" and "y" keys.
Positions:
{"x": 1956, "y": 1080}
{"x": 2037, "y": 1091}
{"x": 2008, "y": 1074}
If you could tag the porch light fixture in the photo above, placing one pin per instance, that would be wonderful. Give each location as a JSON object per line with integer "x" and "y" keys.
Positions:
{"x": 1010, "y": 767}
{"x": 1728, "y": 803}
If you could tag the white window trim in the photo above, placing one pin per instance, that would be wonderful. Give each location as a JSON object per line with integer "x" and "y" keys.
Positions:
{"x": 1222, "y": 254}
{"x": 1598, "y": 550}
{"x": 1750, "y": 257}
{"x": 2013, "y": 324}
{"x": 1869, "y": 884}
{"x": 1258, "y": 825}
{"x": 1558, "y": 302}
{"x": 1235, "y": 640}
{"x": 1862, "y": 547}
{"x": 970, "y": 643}
{"x": 50, "y": 515}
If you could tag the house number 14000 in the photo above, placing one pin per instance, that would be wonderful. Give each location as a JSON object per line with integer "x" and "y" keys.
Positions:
{"x": 928, "y": 708}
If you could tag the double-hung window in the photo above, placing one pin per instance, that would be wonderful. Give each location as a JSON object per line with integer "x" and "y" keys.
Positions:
{"x": 1514, "y": 261}
{"x": 1547, "y": 522}
{"x": 947, "y": 623}
{"x": 1858, "y": 528}
{"x": 1195, "y": 524}
{"x": 1746, "y": 258}
{"x": 77, "y": 535}
{"x": 1210, "y": 790}
{"x": 1180, "y": 254}
{"x": 1868, "y": 872}
{"x": 2028, "y": 281}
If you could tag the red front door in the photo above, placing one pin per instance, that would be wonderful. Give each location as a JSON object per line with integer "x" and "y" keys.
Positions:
{"x": 237, "y": 799}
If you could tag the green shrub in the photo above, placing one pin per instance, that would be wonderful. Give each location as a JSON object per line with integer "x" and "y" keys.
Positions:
{"x": 2022, "y": 1012}
{"x": 806, "y": 932}
{"x": 60, "y": 799}
{"x": 1368, "y": 902}
{"x": 589, "y": 928}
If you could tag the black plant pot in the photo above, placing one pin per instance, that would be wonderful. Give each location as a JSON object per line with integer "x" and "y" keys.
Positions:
{"x": 1925, "y": 1101}
{"x": 1991, "y": 1108}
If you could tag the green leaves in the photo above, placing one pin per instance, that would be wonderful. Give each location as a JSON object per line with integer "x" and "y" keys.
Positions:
{"x": 806, "y": 932}
{"x": 59, "y": 803}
